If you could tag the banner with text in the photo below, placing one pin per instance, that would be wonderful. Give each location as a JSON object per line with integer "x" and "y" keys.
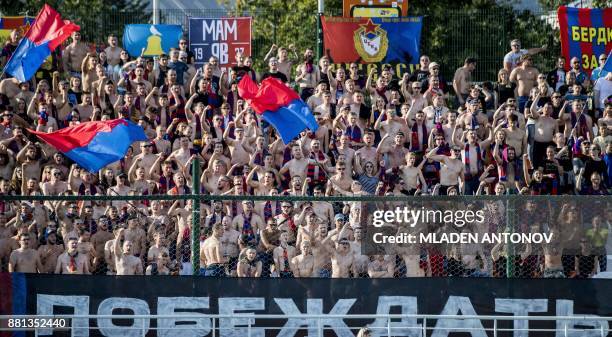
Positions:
{"x": 585, "y": 33}
{"x": 586, "y": 300}
{"x": 219, "y": 37}
{"x": 390, "y": 41}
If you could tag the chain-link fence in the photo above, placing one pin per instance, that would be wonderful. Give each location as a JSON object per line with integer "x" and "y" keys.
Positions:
{"x": 285, "y": 236}
{"x": 484, "y": 34}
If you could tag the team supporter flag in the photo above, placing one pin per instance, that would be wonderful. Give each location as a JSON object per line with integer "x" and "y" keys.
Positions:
{"x": 151, "y": 40}
{"x": 94, "y": 145}
{"x": 13, "y": 296}
{"x": 586, "y": 33}
{"x": 8, "y": 23}
{"x": 47, "y": 32}
{"x": 372, "y": 40}
{"x": 279, "y": 105}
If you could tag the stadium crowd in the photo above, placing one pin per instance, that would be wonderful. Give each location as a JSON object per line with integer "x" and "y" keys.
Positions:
{"x": 532, "y": 132}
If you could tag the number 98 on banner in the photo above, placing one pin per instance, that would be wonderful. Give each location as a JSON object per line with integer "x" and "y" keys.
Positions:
{"x": 222, "y": 38}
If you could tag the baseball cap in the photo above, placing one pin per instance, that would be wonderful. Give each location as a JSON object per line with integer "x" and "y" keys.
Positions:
{"x": 339, "y": 216}
{"x": 434, "y": 65}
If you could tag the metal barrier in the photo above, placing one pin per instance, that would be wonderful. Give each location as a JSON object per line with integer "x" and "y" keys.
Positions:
{"x": 315, "y": 325}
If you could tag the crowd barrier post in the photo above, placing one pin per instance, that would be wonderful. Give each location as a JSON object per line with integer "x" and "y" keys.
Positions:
{"x": 195, "y": 218}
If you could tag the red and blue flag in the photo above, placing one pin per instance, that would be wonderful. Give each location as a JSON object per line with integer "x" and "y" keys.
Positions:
{"x": 13, "y": 294}
{"x": 47, "y": 32}
{"x": 94, "y": 145}
{"x": 586, "y": 33}
{"x": 279, "y": 105}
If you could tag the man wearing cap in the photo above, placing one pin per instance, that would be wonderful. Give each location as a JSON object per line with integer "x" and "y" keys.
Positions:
{"x": 512, "y": 58}
{"x": 340, "y": 252}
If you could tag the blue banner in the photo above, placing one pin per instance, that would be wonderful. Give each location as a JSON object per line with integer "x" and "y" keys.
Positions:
{"x": 151, "y": 40}
{"x": 372, "y": 40}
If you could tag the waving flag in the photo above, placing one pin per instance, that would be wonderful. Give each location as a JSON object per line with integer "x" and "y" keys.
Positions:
{"x": 94, "y": 145}
{"x": 47, "y": 32}
{"x": 279, "y": 105}
{"x": 585, "y": 34}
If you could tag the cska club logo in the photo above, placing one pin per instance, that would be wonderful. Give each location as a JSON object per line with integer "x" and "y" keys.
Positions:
{"x": 371, "y": 42}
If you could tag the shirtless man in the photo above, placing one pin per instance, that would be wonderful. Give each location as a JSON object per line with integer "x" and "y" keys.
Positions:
{"x": 515, "y": 136}
{"x": 74, "y": 54}
{"x": 248, "y": 222}
{"x": 360, "y": 262}
{"x": 211, "y": 254}
{"x": 99, "y": 240}
{"x": 146, "y": 159}
{"x": 344, "y": 149}
{"x": 396, "y": 153}
{"x": 412, "y": 175}
{"x": 49, "y": 253}
{"x": 303, "y": 264}
{"x": 322, "y": 262}
{"x": 341, "y": 256}
{"x": 229, "y": 244}
{"x": 249, "y": 265}
{"x": 367, "y": 153}
{"x": 342, "y": 180}
{"x": 125, "y": 262}
{"x": 137, "y": 236}
{"x": 56, "y": 185}
{"x": 296, "y": 166}
{"x": 282, "y": 255}
{"x": 525, "y": 77}
{"x": 72, "y": 262}
{"x": 182, "y": 155}
{"x": 381, "y": 266}
{"x": 24, "y": 259}
{"x": 451, "y": 169}
{"x": 113, "y": 51}
{"x": 546, "y": 128}
{"x": 239, "y": 147}
{"x": 463, "y": 78}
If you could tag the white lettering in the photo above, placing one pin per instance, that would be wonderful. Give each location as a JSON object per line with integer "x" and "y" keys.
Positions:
{"x": 229, "y": 306}
{"x": 520, "y": 307}
{"x": 458, "y": 305}
{"x": 168, "y": 306}
{"x": 45, "y": 304}
{"x": 138, "y": 306}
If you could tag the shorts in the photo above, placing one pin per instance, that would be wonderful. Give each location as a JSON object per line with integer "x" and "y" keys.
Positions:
{"x": 325, "y": 273}
{"x": 186, "y": 269}
{"x": 232, "y": 263}
{"x": 214, "y": 270}
{"x": 554, "y": 273}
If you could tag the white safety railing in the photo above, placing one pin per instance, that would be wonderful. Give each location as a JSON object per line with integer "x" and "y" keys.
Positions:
{"x": 315, "y": 325}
